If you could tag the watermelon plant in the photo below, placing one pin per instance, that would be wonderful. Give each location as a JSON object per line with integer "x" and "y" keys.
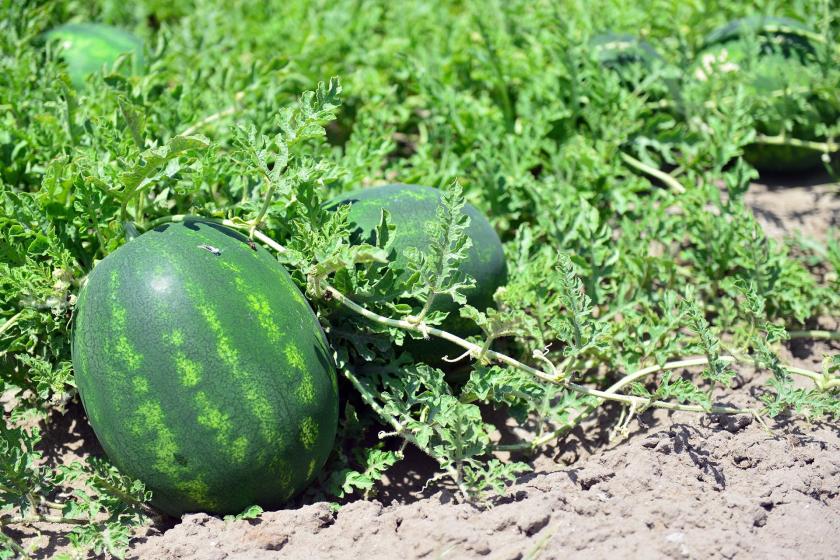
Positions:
{"x": 619, "y": 296}
{"x": 87, "y": 47}
{"x": 415, "y": 208}
{"x": 203, "y": 371}
{"x": 640, "y": 67}
{"x": 784, "y": 73}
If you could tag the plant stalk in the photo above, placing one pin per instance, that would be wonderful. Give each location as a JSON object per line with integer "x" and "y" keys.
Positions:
{"x": 782, "y": 140}
{"x": 815, "y": 334}
{"x": 10, "y": 322}
{"x": 672, "y": 183}
{"x": 215, "y": 116}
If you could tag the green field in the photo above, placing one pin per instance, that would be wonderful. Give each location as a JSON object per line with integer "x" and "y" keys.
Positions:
{"x": 612, "y": 146}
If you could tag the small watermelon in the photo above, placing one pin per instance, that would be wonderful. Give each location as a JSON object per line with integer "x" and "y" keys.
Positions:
{"x": 777, "y": 57}
{"x": 615, "y": 50}
{"x": 633, "y": 59}
{"x": 411, "y": 208}
{"x": 87, "y": 47}
{"x": 203, "y": 370}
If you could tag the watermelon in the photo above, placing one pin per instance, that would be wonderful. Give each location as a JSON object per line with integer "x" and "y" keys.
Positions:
{"x": 203, "y": 370}
{"x": 633, "y": 60}
{"x": 777, "y": 56}
{"x": 615, "y": 50}
{"x": 87, "y": 47}
{"x": 411, "y": 208}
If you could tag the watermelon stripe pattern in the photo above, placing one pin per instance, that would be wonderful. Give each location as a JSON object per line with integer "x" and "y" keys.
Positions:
{"x": 203, "y": 370}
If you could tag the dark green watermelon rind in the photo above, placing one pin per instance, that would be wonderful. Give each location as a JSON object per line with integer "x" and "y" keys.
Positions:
{"x": 793, "y": 45}
{"x": 618, "y": 49}
{"x": 411, "y": 208}
{"x": 93, "y": 46}
{"x": 758, "y": 24}
{"x": 207, "y": 377}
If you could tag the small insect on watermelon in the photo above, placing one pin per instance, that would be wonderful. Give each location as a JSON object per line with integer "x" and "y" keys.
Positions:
{"x": 211, "y": 249}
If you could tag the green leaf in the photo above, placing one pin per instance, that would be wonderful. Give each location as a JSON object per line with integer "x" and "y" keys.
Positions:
{"x": 156, "y": 163}
{"x": 250, "y": 512}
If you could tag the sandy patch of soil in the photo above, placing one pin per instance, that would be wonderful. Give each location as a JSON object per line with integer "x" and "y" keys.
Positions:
{"x": 679, "y": 486}
{"x": 810, "y": 207}
{"x": 722, "y": 490}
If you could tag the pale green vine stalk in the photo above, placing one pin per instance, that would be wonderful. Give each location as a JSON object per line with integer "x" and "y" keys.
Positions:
{"x": 237, "y": 99}
{"x": 557, "y": 378}
{"x": 10, "y": 322}
{"x": 782, "y": 140}
{"x": 554, "y": 376}
{"x": 815, "y": 334}
{"x": 269, "y": 195}
{"x": 669, "y": 180}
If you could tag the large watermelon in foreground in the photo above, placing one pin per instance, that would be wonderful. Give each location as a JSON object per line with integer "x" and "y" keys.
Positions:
{"x": 203, "y": 370}
{"x": 87, "y": 47}
{"x": 412, "y": 207}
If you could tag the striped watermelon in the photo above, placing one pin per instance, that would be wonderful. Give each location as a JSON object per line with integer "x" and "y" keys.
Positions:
{"x": 412, "y": 207}
{"x": 87, "y": 47}
{"x": 615, "y": 50}
{"x": 203, "y": 370}
{"x": 634, "y": 59}
{"x": 778, "y": 56}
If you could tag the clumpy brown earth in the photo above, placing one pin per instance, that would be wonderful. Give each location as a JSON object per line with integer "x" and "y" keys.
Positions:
{"x": 678, "y": 486}
{"x": 681, "y": 489}
{"x": 808, "y": 210}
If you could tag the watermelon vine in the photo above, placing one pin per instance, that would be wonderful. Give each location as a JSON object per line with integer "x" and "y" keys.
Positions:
{"x": 617, "y": 195}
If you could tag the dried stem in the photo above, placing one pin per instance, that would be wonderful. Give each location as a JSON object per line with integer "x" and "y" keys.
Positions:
{"x": 29, "y": 519}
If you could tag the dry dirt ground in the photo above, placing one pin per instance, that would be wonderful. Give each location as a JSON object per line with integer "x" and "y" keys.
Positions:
{"x": 679, "y": 486}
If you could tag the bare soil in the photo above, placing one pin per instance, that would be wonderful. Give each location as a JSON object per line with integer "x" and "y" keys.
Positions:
{"x": 809, "y": 209}
{"x": 681, "y": 489}
{"x": 678, "y": 486}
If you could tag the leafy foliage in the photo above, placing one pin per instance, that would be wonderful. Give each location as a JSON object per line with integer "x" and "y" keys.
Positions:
{"x": 104, "y": 507}
{"x": 436, "y": 266}
{"x": 619, "y": 196}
